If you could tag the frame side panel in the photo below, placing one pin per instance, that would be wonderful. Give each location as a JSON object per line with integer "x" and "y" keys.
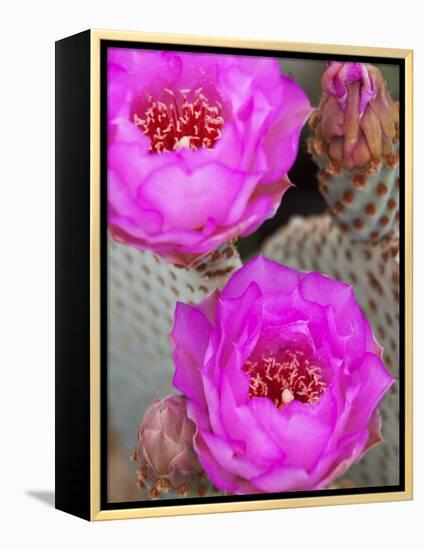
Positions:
{"x": 72, "y": 383}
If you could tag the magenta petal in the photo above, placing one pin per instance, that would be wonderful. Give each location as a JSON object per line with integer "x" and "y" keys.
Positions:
{"x": 282, "y": 140}
{"x": 175, "y": 190}
{"x": 223, "y": 452}
{"x": 348, "y": 317}
{"x": 124, "y": 202}
{"x": 213, "y": 405}
{"x": 238, "y": 379}
{"x": 242, "y": 424}
{"x": 231, "y": 319}
{"x": 319, "y": 288}
{"x": 222, "y": 478}
{"x": 310, "y": 430}
{"x": 198, "y": 413}
{"x": 270, "y": 277}
{"x": 208, "y": 306}
{"x": 280, "y": 479}
{"x": 375, "y": 431}
{"x": 376, "y": 380}
{"x": 188, "y": 358}
{"x": 336, "y": 463}
{"x": 263, "y": 204}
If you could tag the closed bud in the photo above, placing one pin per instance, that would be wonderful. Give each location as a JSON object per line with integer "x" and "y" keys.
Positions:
{"x": 357, "y": 122}
{"x": 164, "y": 449}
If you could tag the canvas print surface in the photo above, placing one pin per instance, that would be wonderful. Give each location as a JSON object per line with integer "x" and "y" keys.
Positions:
{"x": 253, "y": 289}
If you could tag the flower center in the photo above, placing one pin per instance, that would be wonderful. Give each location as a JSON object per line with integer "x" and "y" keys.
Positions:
{"x": 289, "y": 375}
{"x": 181, "y": 122}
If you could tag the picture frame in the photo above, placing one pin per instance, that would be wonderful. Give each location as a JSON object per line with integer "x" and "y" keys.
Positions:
{"x": 87, "y": 468}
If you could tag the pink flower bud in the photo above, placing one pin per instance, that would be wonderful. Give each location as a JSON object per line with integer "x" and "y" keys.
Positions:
{"x": 164, "y": 450}
{"x": 357, "y": 121}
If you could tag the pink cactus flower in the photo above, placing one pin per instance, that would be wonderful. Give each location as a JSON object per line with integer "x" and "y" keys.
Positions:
{"x": 283, "y": 377}
{"x": 199, "y": 148}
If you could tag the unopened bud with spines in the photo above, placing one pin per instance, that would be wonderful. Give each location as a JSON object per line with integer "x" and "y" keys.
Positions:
{"x": 355, "y": 143}
{"x": 168, "y": 464}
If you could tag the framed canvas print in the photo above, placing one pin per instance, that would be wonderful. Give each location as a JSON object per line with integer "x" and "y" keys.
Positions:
{"x": 234, "y": 248}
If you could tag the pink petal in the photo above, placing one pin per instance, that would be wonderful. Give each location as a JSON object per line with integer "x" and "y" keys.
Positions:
{"x": 375, "y": 381}
{"x": 270, "y": 277}
{"x": 223, "y": 452}
{"x": 188, "y": 352}
{"x": 282, "y": 141}
{"x": 281, "y": 479}
{"x": 221, "y": 478}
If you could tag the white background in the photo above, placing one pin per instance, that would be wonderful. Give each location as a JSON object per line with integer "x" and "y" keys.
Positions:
{"x": 28, "y": 32}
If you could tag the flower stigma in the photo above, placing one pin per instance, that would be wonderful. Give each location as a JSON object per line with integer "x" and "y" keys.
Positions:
{"x": 284, "y": 377}
{"x": 181, "y": 122}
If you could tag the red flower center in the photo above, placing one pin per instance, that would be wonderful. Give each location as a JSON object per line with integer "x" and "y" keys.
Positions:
{"x": 181, "y": 122}
{"x": 291, "y": 375}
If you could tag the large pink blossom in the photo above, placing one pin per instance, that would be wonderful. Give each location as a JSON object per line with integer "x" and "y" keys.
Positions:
{"x": 283, "y": 377}
{"x": 199, "y": 147}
